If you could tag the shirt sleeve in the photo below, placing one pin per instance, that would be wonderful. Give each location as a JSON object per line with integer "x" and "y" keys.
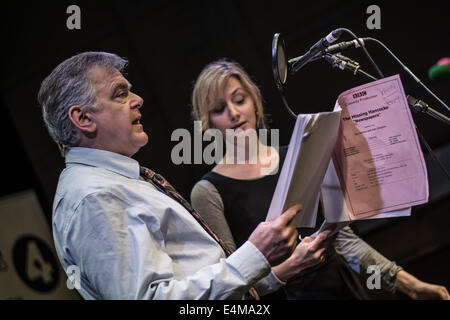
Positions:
{"x": 122, "y": 254}
{"x": 360, "y": 255}
{"x": 206, "y": 200}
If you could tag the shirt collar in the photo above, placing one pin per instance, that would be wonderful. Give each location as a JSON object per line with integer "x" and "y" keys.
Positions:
{"x": 111, "y": 161}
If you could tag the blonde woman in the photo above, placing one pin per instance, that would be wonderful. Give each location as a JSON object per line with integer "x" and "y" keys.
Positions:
{"x": 235, "y": 196}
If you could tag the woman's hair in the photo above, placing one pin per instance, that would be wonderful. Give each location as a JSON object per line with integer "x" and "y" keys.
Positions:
{"x": 70, "y": 84}
{"x": 209, "y": 89}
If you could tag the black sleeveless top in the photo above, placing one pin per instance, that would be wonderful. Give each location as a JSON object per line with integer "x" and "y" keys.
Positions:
{"x": 246, "y": 203}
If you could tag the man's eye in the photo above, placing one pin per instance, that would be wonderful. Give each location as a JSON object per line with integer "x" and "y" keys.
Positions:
{"x": 122, "y": 94}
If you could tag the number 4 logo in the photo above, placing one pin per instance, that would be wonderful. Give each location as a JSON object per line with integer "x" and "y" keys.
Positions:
{"x": 36, "y": 266}
{"x": 35, "y": 263}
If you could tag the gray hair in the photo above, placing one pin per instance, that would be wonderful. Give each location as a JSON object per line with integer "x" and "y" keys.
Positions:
{"x": 70, "y": 84}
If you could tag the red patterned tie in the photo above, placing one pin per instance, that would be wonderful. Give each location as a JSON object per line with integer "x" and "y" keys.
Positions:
{"x": 167, "y": 189}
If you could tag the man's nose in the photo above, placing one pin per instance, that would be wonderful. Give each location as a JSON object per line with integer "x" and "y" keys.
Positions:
{"x": 137, "y": 101}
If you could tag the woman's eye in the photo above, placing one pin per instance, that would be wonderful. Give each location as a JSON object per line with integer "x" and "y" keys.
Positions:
{"x": 239, "y": 100}
{"x": 218, "y": 109}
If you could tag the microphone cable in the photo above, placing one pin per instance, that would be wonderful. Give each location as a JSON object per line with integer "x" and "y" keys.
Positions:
{"x": 410, "y": 73}
{"x": 362, "y": 46}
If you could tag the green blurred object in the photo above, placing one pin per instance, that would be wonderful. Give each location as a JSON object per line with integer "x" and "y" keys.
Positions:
{"x": 439, "y": 72}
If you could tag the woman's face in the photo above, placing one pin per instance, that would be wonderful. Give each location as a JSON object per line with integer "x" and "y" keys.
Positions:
{"x": 234, "y": 110}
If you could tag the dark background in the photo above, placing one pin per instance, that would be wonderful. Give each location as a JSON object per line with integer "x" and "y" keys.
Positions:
{"x": 169, "y": 42}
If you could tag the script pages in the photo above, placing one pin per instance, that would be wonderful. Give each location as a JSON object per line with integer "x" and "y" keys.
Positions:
{"x": 377, "y": 158}
{"x": 377, "y": 170}
{"x": 307, "y": 159}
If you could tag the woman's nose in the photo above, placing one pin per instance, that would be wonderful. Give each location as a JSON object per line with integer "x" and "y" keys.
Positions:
{"x": 233, "y": 112}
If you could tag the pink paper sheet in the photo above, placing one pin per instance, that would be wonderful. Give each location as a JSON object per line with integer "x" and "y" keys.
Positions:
{"x": 377, "y": 155}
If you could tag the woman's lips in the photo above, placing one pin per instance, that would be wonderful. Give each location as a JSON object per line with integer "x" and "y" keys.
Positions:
{"x": 240, "y": 125}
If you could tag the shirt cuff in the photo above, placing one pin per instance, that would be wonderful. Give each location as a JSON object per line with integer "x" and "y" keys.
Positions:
{"x": 250, "y": 263}
{"x": 269, "y": 284}
{"x": 275, "y": 279}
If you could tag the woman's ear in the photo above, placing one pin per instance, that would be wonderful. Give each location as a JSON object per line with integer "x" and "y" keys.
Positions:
{"x": 81, "y": 119}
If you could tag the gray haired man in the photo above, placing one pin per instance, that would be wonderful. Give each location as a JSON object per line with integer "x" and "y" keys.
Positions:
{"x": 129, "y": 239}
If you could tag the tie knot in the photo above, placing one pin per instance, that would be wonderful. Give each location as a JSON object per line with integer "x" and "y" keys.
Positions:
{"x": 146, "y": 172}
{"x": 156, "y": 178}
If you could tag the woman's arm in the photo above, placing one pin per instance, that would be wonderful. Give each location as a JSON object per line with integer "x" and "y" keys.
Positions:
{"x": 206, "y": 200}
{"x": 360, "y": 255}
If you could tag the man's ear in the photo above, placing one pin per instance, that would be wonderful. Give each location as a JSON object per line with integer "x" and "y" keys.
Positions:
{"x": 82, "y": 120}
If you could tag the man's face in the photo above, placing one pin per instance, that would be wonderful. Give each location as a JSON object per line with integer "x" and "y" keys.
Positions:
{"x": 118, "y": 128}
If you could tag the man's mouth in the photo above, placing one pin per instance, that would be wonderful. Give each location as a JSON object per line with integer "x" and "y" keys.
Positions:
{"x": 137, "y": 120}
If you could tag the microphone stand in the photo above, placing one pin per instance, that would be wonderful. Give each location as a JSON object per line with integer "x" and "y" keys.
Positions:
{"x": 344, "y": 63}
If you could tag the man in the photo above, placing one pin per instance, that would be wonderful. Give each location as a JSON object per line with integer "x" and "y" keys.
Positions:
{"x": 132, "y": 237}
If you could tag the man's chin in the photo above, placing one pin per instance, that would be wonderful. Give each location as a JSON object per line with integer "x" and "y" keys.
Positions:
{"x": 140, "y": 142}
{"x": 143, "y": 139}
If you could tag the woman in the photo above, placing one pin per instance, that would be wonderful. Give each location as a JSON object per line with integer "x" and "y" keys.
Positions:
{"x": 235, "y": 196}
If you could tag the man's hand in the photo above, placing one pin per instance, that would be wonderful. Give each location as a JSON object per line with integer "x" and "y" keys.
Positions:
{"x": 277, "y": 239}
{"x": 307, "y": 254}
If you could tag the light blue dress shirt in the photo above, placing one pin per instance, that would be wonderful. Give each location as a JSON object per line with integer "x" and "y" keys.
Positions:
{"x": 131, "y": 241}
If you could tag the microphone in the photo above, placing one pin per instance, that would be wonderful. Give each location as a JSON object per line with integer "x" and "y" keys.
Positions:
{"x": 344, "y": 63}
{"x": 341, "y": 46}
{"x": 317, "y": 49}
{"x": 421, "y": 106}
